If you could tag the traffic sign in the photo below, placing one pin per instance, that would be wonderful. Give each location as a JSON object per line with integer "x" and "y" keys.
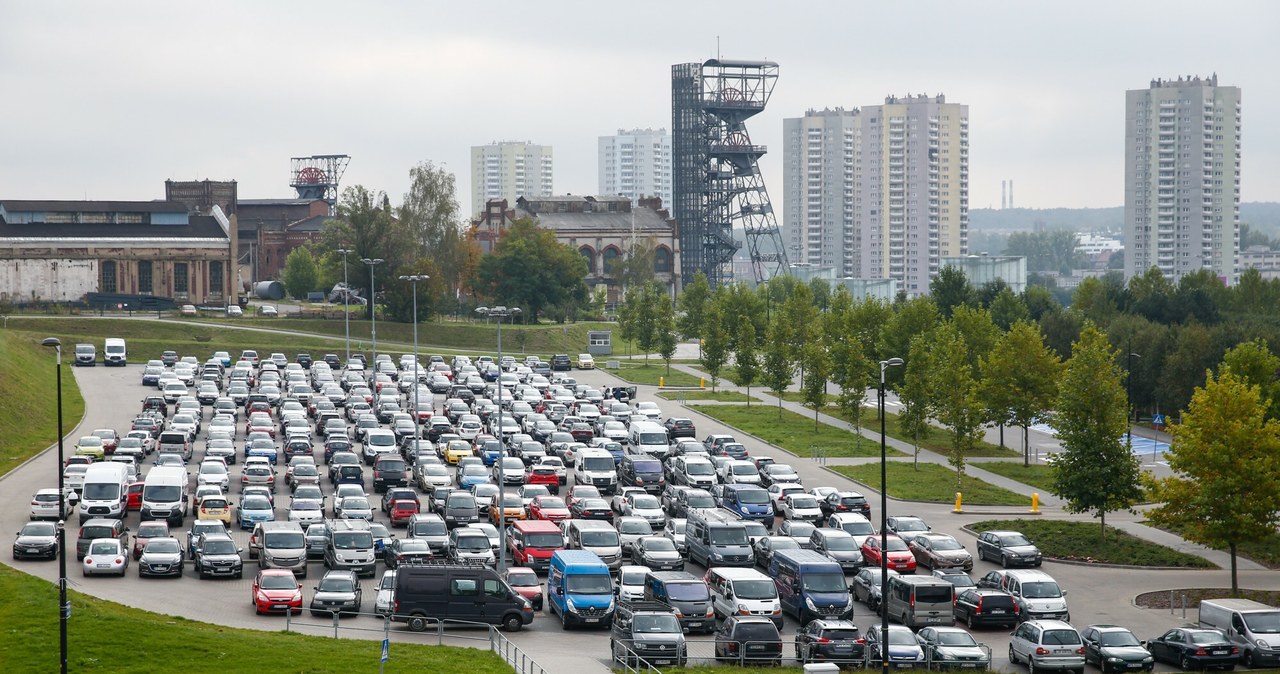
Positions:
{"x": 1157, "y": 419}
{"x": 386, "y": 649}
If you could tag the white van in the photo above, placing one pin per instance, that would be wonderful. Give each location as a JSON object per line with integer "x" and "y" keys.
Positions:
{"x": 647, "y": 437}
{"x": 1251, "y": 625}
{"x": 164, "y": 495}
{"x": 744, "y": 592}
{"x": 596, "y": 467}
{"x": 105, "y": 491}
{"x": 114, "y": 352}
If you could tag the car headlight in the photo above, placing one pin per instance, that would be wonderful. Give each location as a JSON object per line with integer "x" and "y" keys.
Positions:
{"x": 1263, "y": 644}
{"x": 571, "y": 606}
{"x": 1115, "y": 659}
{"x": 809, "y": 602}
{"x": 717, "y": 556}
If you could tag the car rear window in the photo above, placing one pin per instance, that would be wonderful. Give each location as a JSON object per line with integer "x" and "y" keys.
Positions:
{"x": 997, "y": 600}
{"x": 96, "y": 532}
{"x": 756, "y": 632}
{"x": 934, "y": 593}
{"x": 840, "y": 634}
{"x": 1061, "y": 637}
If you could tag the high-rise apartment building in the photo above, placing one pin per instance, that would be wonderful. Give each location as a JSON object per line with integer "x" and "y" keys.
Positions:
{"x": 1182, "y": 178}
{"x": 881, "y": 192}
{"x": 636, "y": 163}
{"x": 509, "y": 170}
{"x": 818, "y": 153}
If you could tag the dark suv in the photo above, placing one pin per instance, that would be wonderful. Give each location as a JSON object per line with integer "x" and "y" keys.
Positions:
{"x": 749, "y": 639}
{"x": 837, "y": 641}
{"x": 560, "y": 362}
{"x": 99, "y": 527}
{"x": 680, "y": 427}
{"x": 647, "y": 631}
{"x": 390, "y": 470}
{"x": 980, "y": 607}
{"x": 217, "y": 555}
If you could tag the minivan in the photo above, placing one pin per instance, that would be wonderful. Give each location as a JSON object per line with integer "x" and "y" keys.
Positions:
{"x": 86, "y": 354}
{"x": 427, "y": 594}
{"x": 279, "y": 545}
{"x": 687, "y": 594}
{"x": 105, "y": 491}
{"x": 1038, "y": 595}
{"x": 350, "y": 546}
{"x": 175, "y": 443}
{"x": 743, "y": 592}
{"x": 1254, "y": 626}
{"x": 644, "y": 472}
{"x": 917, "y": 601}
{"x": 715, "y": 537}
{"x": 597, "y": 537}
{"x": 580, "y": 589}
{"x": 810, "y": 586}
{"x": 114, "y": 352}
{"x": 647, "y": 437}
{"x": 748, "y": 501}
{"x": 596, "y": 467}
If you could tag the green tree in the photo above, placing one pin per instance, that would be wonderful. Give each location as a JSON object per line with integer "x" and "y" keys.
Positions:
{"x": 635, "y": 268}
{"x": 913, "y": 317}
{"x": 851, "y": 370}
{"x": 951, "y": 289}
{"x": 301, "y": 275}
{"x": 1257, "y": 366}
{"x": 715, "y": 342}
{"x": 692, "y": 304}
{"x": 979, "y": 332}
{"x": 1225, "y": 458}
{"x": 431, "y": 219}
{"x": 916, "y": 393}
{"x": 817, "y": 366}
{"x": 665, "y": 326}
{"x": 1096, "y": 470}
{"x": 1020, "y": 380}
{"x": 366, "y": 227}
{"x": 645, "y": 320}
{"x": 1007, "y": 309}
{"x": 747, "y": 357}
{"x": 956, "y": 406}
{"x": 530, "y": 269}
{"x": 779, "y": 362}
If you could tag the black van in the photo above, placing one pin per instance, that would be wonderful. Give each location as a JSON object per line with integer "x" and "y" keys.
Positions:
{"x": 642, "y": 471}
{"x": 457, "y": 592}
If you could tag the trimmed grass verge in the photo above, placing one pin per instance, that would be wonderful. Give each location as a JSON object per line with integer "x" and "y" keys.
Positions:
{"x": 1080, "y": 541}
{"x": 721, "y": 396}
{"x": 932, "y": 483}
{"x": 29, "y": 415}
{"x": 936, "y": 442}
{"x": 650, "y": 373}
{"x": 109, "y": 637}
{"x": 1036, "y": 475}
{"x": 793, "y": 432}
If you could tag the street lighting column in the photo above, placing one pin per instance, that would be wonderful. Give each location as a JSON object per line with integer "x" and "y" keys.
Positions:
{"x": 373, "y": 316}
{"x": 64, "y": 607}
{"x": 414, "y": 279}
{"x": 884, "y": 524}
{"x": 500, "y": 312}
{"x": 346, "y": 300}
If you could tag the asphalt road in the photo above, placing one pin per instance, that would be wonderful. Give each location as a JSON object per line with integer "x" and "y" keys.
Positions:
{"x": 112, "y": 395}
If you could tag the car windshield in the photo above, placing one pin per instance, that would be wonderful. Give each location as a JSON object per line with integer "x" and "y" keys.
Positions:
{"x": 588, "y": 583}
{"x": 699, "y": 468}
{"x": 1066, "y": 638}
{"x": 331, "y": 584}
{"x": 896, "y": 545}
{"x": 784, "y": 544}
{"x": 255, "y": 503}
{"x": 523, "y": 579}
{"x": 744, "y": 469}
{"x": 659, "y": 544}
{"x": 902, "y": 637}
{"x": 432, "y": 527}
{"x": 946, "y": 544}
{"x": 910, "y": 525}
{"x": 352, "y": 540}
{"x": 286, "y": 540}
{"x": 647, "y": 466}
{"x": 104, "y": 548}
{"x": 1041, "y": 590}
{"x": 461, "y": 501}
{"x": 598, "y": 463}
{"x": 600, "y": 539}
{"x": 39, "y": 529}
{"x": 96, "y": 532}
{"x": 355, "y": 503}
{"x": 544, "y": 541}
{"x": 551, "y": 503}
{"x": 167, "y": 545}
{"x": 824, "y": 582}
{"x": 728, "y": 536}
{"x": 101, "y": 491}
{"x": 656, "y": 623}
{"x": 807, "y": 502}
{"x": 842, "y": 543}
{"x": 700, "y": 501}
{"x": 755, "y": 589}
{"x": 219, "y": 547}
{"x": 1119, "y": 639}
{"x": 645, "y": 502}
{"x": 753, "y": 496}
{"x": 1014, "y": 540}
{"x": 473, "y": 543}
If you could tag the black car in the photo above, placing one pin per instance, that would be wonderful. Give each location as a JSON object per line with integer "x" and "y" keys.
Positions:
{"x": 332, "y": 360}
{"x": 303, "y": 359}
{"x": 37, "y": 540}
{"x": 561, "y": 363}
{"x": 680, "y": 427}
{"x": 406, "y": 551}
{"x": 591, "y": 509}
{"x": 217, "y": 555}
{"x": 837, "y": 641}
{"x": 1114, "y": 649}
{"x": 1009, "y": 548}
{"x": 983, "y": 607}
{"x": 845, "y": 502}
{"x": 1190, "y": 649}
{"x": 749, "y": 639}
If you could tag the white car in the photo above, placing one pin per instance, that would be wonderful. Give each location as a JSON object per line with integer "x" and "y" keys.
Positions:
{"x": 649, "y": 410}
{"x": 781, "y": 473}
{"x": 45, "y": 505}
{"x": 631, "y": 582}
{"x": 585, "y": 361}
{"x": 386, "y": 594}
{"x": 234, "y": 311}
{"x": 646, "y": 506}
{"x": 801, "y": 506}
{"x": 105, "y": 556}
{"x": 778, "y": 492}
{"x": 740, "y": 472}
{"x": 306, "y": 510}
{"x": 214, "y": 471}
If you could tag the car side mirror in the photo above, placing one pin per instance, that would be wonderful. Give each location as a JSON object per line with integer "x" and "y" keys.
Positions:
{"x": 560, "y": 591}
{"x": 239, "y": 549}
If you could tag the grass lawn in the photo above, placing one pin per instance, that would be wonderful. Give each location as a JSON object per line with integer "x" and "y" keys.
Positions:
{"x": 1265, "y": 551}
{"x": 642, "y": 373}
{"x": 1036, "y": 475}
{"x": 29, "y": 415}
{"x": 1079, "y": 541}
{"x": 798, "y": 397}
{"x": 109, "y": 637}
{"x": 932, "y": 483}
{"x": 793, "y": 432}
{"x": 936, "y": 442}
{"x": 722, "y": 396}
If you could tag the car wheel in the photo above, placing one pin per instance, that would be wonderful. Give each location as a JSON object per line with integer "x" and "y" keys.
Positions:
{"x": 1013, "y": 657}
{"x": 512, "y": 623}
{"x": 969, "y": 621}
{"x": 1253, "y": 661}
{"x": 1031, "y": 665}
{"x": 1004, "y": 561}
{"x": 1185, "y": 664}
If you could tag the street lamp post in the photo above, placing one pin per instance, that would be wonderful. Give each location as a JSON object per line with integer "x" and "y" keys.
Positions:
{"x": 500, "y": 312}
{"x": 1128, "y": 395}
{"x": 884, "y": 524}
{"x": 346, "y": 299}
{"x": 64, "y": 607}
{"x": 414, "y": 279}
{"x": 373, "y": 314}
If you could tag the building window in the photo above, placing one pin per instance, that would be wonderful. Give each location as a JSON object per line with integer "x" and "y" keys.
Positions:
{"x": 610, "y": 257}
{"x": 109, "y": 277}
{"x": 590, "y": 256}
{"x": 180, "y": 277}
{"x": 662, "y": 260}
{"x": 144, "y": 277}
{"x": 215, "y": 277}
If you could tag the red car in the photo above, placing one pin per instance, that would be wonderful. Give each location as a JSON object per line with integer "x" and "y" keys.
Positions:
{"x": 551, "y": 508}
{"x": 900, "y": 557}
{"x": 135, "y": 495}
{"x": 401, "y": 510}
{"x": 543, "y": 475}
{"x": 110, "y": 440}
{"x": 276, "y": 591}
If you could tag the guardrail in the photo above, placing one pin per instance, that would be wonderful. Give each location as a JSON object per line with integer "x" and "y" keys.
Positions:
{"x": 492, "y": 639}
{"x": 703, "y": 652}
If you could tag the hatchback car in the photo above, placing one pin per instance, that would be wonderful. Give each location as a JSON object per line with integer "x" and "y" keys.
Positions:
{"x": 1115, "y": 649}
{"x": 905, "y": 652}
{"x": 837, "y": 641}
{"x": 46, "y": 504}
{"x": 659, "y": 553}
{"x": 276, "y": 591}
{"x": 525, "y": 581}
{"x": 406, "y": 551}
{"x": 953, "y": 648}
{"x": 1047, "y": 644}
{"x": 748, "y": 639}
{"x": 105, "y": 556}
{"x": 900, "y": 558}
{"x": 162, "y": 557}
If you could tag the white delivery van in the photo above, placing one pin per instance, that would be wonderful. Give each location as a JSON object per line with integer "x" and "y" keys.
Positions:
{"x": 114, "y": 352}
{"x": 105, "y": 491}
{"x": 1251, "y": 625}
{"x": 647, "y": 437}
{"x": 165, "y": 495}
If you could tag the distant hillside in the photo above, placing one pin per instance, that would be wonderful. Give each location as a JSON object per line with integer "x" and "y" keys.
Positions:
{"x": 1262, "y": 215}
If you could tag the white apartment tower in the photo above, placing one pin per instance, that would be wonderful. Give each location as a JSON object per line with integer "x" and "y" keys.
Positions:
{"x": 509, "y": 170}
{"x": 818, "y": 152}
{"x": 1182, "y": 178}
{"x": 636, "y": 163}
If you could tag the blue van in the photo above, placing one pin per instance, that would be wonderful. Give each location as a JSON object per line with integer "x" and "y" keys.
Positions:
{"x": 580, "y": 589}
{"x": 748, "y": 501}
{"x": 810, "y": 586}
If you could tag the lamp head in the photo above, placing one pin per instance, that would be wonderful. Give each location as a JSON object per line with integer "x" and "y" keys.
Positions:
{"x": 892, "y": 362}
{"x": 51, "y": 341}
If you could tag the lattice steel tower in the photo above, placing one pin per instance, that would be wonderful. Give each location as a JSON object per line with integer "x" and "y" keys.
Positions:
{"x": 318, "y": 176}
{"x": 716, "y": 181}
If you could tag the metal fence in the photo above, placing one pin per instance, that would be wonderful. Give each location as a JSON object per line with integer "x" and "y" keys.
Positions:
{"x": 755, "y": 654}
{"x": 446, "y": 632}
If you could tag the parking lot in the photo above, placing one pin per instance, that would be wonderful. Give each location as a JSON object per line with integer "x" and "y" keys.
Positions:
{"x": 113, "y": 396}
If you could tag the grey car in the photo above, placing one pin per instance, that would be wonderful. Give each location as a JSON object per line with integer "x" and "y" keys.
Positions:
{"x": 1047, "y": 644}
{"x": 338, "y": 592}
{"x": 162, "y": 557}
{"x": 1008, "y": 548}
{"x": 953, "y": 648}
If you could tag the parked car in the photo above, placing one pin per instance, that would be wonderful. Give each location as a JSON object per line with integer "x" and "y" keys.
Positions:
{"x": 162, "y": 557}
{"x": 276, "y": 590}
{"x": 1193, "y": 648}
{"x": 1048, "y": 644}
{"x": 748, "y": 639}
{"x": 940, "y": 551}
{"x": 981, "y": 607}
{"x": 903, "y": 648}
{"x": 36, "y": 540}
{"x": 953, "y": 648}
{"x": 105, "y": 556}
{"x": 338, "y": 592}
{"x": 1008, "y": 548}
{"x": 1115, "y": 649}
{"x": 825, "y": 640}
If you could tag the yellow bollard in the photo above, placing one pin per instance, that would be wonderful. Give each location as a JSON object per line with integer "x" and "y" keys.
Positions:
{"x": 1035, "y": 502}
{"x": 702, "y": 382}
{"x": 959, "y": 507}
{"x": 660, "y": 381}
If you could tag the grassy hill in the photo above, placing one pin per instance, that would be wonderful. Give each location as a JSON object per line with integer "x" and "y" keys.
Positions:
{"x": 29, "y": 412}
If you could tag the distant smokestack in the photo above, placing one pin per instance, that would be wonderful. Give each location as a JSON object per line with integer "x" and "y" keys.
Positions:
{"x": 1010, "y": 193}
{"x": 1003, "y": 202}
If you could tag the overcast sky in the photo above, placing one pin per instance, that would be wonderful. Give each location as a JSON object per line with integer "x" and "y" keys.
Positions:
{"x": 108, "y": 99}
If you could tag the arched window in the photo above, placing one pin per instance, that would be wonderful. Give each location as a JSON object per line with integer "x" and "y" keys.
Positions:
{"x": 611, "y": 255}
{"x": 109, "y": 283}
{"x": 662, "y": 260}
{"x": 590, "y": 256}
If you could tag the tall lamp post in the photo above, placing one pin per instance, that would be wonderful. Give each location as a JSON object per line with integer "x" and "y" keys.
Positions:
{"x": 64, "y": 607}
{"x": 1128, "y": 395}
{"x": 884, "y": 524}
{"x": 373, "y": 314}
{"x": 500, "y": 312}
{"x": 346, "y": 298}
{"x": 414, "y": 279}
